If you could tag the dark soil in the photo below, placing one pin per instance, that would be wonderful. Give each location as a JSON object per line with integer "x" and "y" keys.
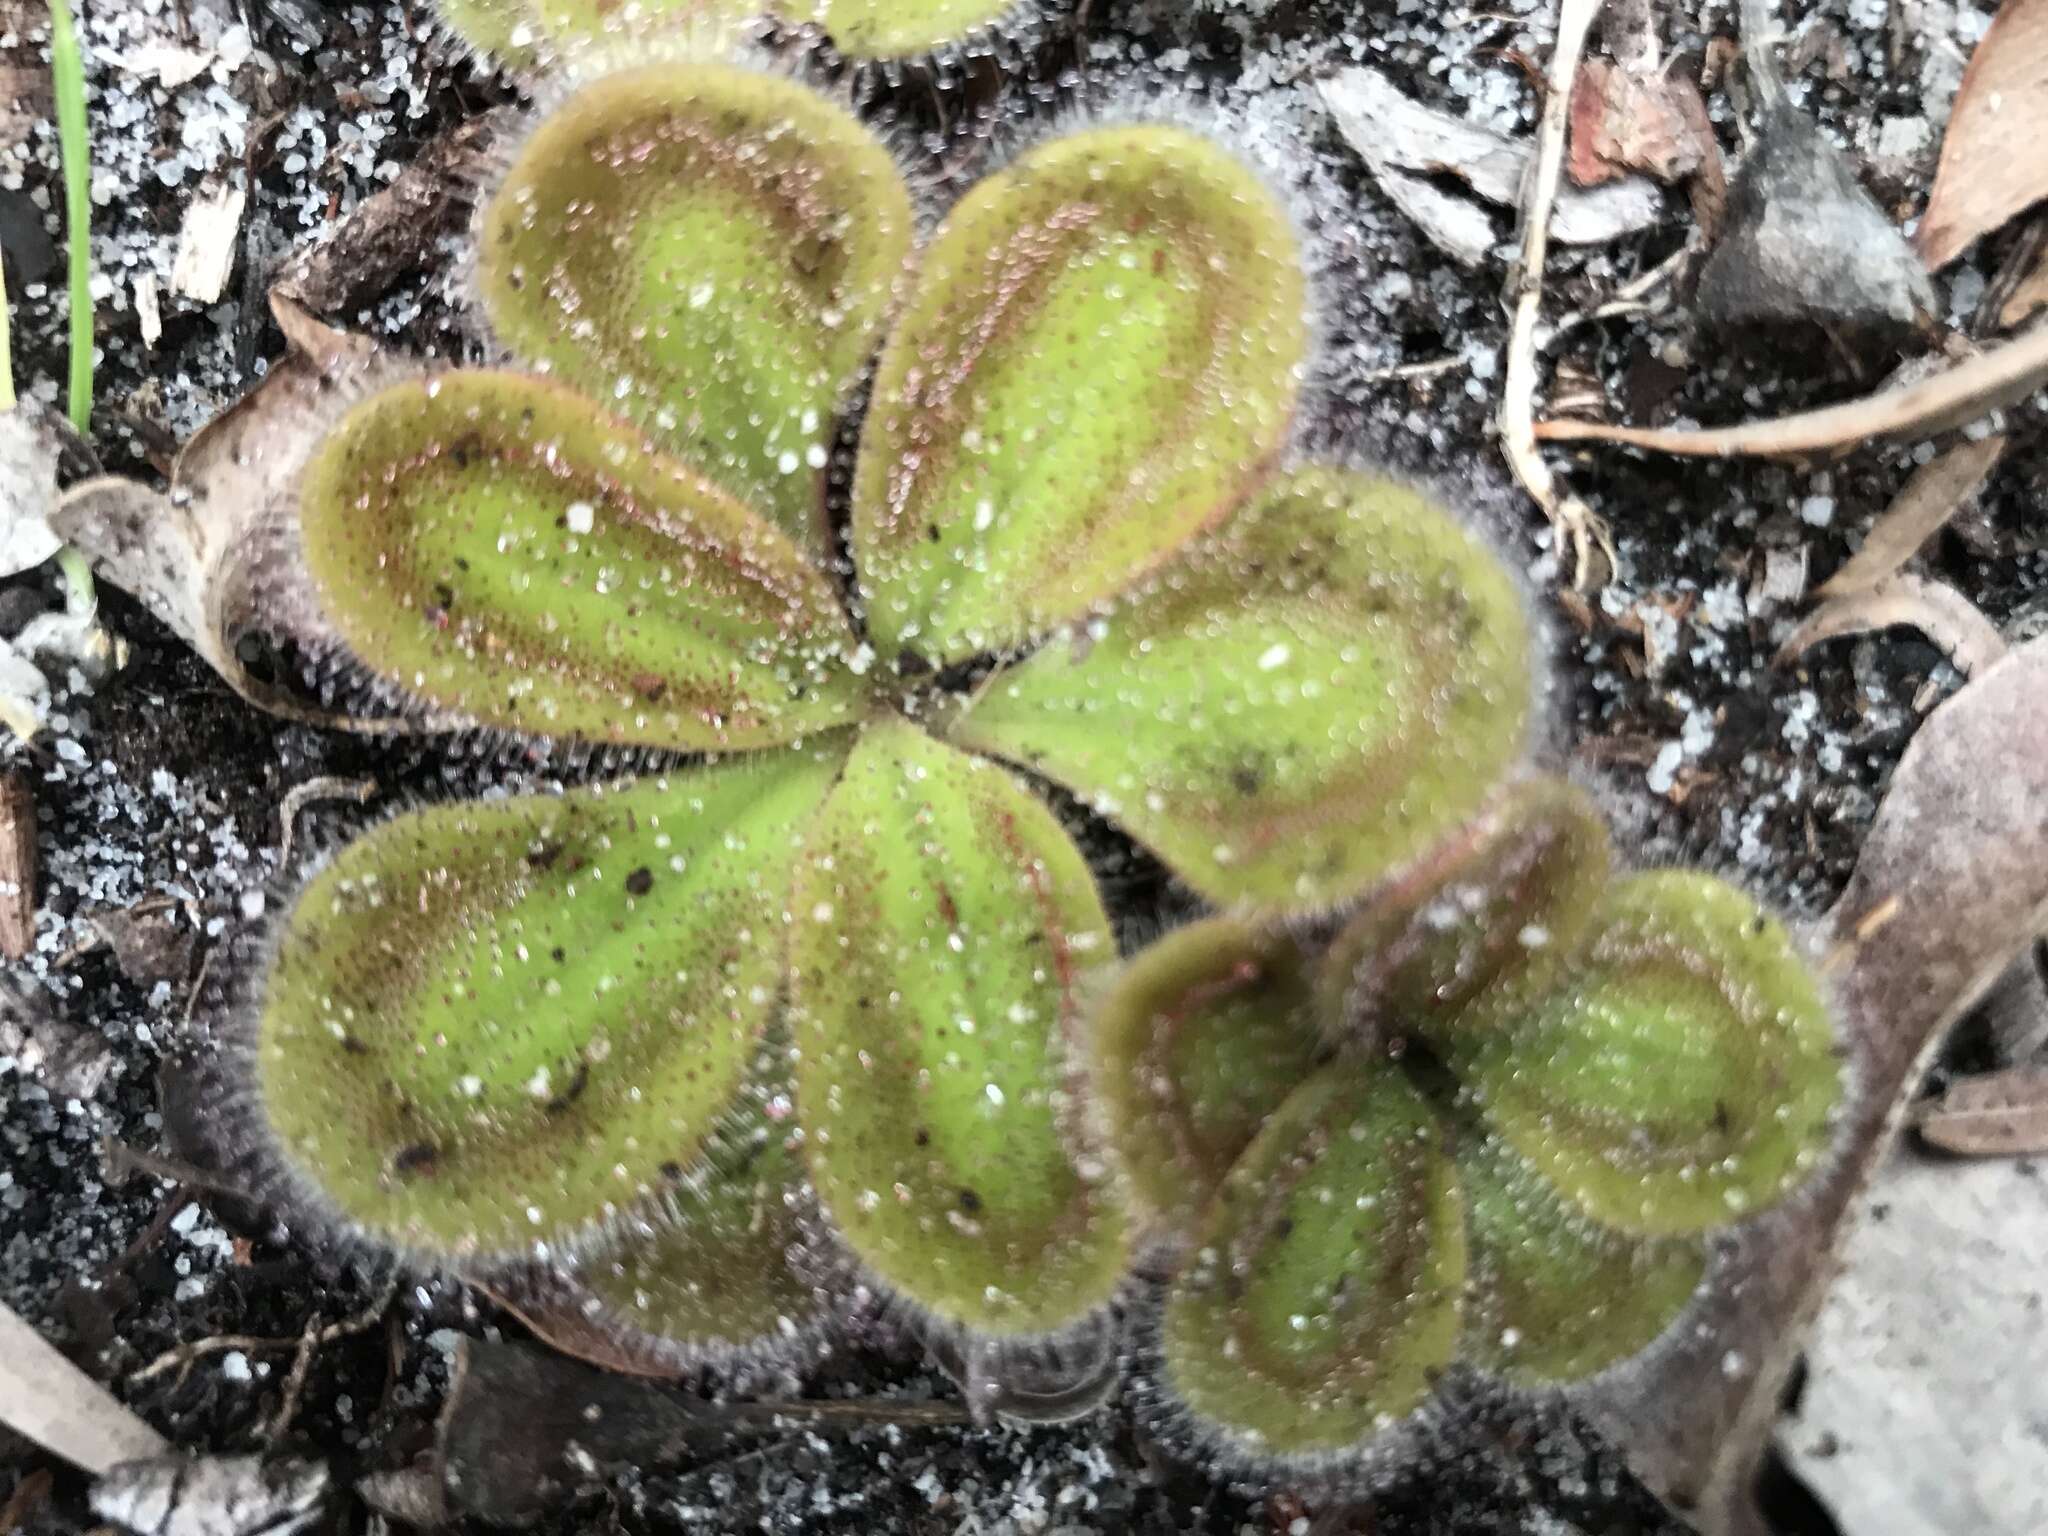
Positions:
{"x": 163, "y": 783}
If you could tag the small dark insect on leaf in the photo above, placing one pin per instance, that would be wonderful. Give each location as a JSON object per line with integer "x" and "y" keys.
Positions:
{"x": 574, "y": 1091}
{"x": 417, "y": 1160}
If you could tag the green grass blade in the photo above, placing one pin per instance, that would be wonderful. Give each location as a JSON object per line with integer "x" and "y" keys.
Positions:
{"x": 67, "y": 72}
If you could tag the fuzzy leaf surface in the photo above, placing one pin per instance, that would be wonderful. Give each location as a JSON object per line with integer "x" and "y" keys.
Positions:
{"x": 1207, "y": 1032}
{"x": 711, "y": 250}
{"x": 945, "y": 926}
{"x": 495, "y": 1023}
{"x": 1098, "y": 362}
{"x": 1677, "y": 1075}
{"x": 1518, "y": 888}
{"x": 499, "y": 29}
{"x": 1552, "y": 1296}
{"x": 1300, "y": 704}
{"x": 486, "y": 543}
{"x": 716, "y": 1276}
{"x": 1326, "y": 1291}
{"x": 885, "y": 29}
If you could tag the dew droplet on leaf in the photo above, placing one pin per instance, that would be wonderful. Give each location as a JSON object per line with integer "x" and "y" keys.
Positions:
{"x": 487, "y": 544}
{"x": 1515, "y": 889}
{"x": 1552, "y": 1297}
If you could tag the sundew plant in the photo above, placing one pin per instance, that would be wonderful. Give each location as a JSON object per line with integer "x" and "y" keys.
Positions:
{"x": 1496, "y": 1125}
{"x": 817, "y": 978}
{"x": 909, "y": 566}
{"x": 529, "y": 32}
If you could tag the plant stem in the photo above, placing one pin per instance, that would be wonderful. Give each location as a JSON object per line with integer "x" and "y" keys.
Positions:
{"x": 67, "y": 74}
{"x": 67, "y": 78}
{"x": 6, "y": 356}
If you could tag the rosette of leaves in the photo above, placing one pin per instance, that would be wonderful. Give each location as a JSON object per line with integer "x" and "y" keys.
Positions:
{"x": 822, "y": 966}
{"x": 1496, "y": 1124}
{"x": 523, "y": 31}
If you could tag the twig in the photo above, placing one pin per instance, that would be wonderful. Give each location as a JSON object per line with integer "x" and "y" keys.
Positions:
{"x": 120, "y": 1162}
{"x": 1569, "y": 517}
{"x": 1427, "y": 369}
{"x": 326, "y": 787}
{"x": 182, "y": 1357}
{"x": 54, "y": 1403}
{"x": 1952, "y": 398}
{"x": 1633, "y": 297}
{"x": 312, "y": 1341}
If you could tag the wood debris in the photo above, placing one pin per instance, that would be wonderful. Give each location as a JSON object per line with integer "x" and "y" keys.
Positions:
{"x": 1992, "y": 164}
{"x": 214, "y": 1495}
{"x": 1571, "y": 520}
{"x": 1936, "y": 491}
{"x": 1995, "y": 1114}
{"x": 1404, "y": 142}
{"x": 1954, "y": 397}
{"x": 394, "y": 232}
{"x": 55, "y": 1404}
{"x": 1625, "y": 120}
{"x": 208, "y": 239}
{"x": 17, "y": 867}
{"x": 1941, "y": 613}
{"x": 149, "y": 311}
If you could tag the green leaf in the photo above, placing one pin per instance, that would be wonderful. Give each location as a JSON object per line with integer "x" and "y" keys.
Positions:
{"x": 1518, "y": 887}
{"x": 711, "y": 250}
{"x": 500, "y": 29}
{"x": 1678, "y": 1075}
{"x": 1552, "y": 1297}
{"x": 494, "y": 1024}
{"x": 1207, "y": 1032}
{"x": 1300, "y": 705}
{"x": 488, "y": 545}
{"x": 1326, "y": 1290}
{"x": 1099, "y": 361}
{"x": 716, "y": 1276}
{"x": 601, "y": 34}
{"x": 895, "y": 29}
{"x": 945, "y": 927}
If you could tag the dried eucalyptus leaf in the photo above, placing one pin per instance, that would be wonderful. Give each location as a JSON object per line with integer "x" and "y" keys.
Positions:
{"x": 1925, "y": 1365}
{"x": 1999, "y": 1114}
{"x": 1941, "y": 613}
{"x": 28, "y": 488}
{"x": 194, "y": 555}
{"x": 1936, "y": 492}
{"x": 1985, "y": 176}
{"x": 1952, "y": 883}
